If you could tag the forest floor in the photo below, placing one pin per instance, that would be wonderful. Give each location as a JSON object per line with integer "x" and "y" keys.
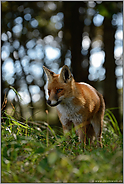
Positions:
{"x": 36, "y": 153}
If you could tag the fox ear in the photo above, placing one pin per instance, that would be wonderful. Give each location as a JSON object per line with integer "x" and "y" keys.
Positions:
{"x": 65, "y": 74}
{"x": 49, "y": 74}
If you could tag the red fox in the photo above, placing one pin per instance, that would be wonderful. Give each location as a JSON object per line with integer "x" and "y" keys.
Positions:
{"x": 78, "y": 104}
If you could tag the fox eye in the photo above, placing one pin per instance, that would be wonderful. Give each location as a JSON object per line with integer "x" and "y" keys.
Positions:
{"x": 48, "y": 92}
{"x": 58, "y": 90}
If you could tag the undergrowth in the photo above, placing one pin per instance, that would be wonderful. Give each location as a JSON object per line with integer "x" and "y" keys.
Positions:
{"x": 33, "y": 152}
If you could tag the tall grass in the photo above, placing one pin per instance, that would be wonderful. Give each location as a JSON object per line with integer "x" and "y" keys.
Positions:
{"x": 113, "y": 121}
{"x": 32, "y": 152}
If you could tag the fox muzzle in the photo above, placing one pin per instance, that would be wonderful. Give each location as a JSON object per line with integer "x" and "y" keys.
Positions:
{"x": 53, "y": 103}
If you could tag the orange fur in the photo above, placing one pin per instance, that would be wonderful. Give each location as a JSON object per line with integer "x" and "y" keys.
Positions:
{"x": 78, "y": 104}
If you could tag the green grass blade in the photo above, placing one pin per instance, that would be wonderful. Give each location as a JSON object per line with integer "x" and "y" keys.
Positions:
{"x": 113, "y": 121}
{"x": 16, "y": 92}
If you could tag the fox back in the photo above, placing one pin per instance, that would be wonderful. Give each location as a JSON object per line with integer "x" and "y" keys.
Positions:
{"x": 78, "y": 104}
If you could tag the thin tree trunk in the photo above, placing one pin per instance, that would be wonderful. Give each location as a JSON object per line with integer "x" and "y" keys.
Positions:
{"x": 110, "y": 89}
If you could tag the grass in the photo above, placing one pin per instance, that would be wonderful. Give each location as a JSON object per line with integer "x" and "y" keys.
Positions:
{"x": 35, "y": 153}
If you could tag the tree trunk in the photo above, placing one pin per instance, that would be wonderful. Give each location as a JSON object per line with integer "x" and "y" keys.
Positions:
{"x": 110, "y": 89}
{"x": 76, "y": 42}
{"x": 73, "y": 29}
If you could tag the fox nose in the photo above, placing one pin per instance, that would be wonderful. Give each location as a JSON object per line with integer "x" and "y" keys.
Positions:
{"x": 49, "y": 102}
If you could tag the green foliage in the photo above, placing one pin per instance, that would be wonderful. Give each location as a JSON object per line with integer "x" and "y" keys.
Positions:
{"x": 107, "y": 9}
{"x": 32, "y": 154}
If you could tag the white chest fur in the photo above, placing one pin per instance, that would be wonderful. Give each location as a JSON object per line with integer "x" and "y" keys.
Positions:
{"x": 69, "y": 112}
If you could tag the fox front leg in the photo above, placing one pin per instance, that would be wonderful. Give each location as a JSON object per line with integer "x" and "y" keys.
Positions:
{"x": 67, "y": 127}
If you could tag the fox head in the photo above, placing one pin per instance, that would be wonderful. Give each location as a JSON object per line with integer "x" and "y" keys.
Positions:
{"x": 59, "y": 85}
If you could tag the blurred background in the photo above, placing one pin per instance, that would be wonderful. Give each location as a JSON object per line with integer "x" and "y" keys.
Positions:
{"x": 87, "y": 36}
